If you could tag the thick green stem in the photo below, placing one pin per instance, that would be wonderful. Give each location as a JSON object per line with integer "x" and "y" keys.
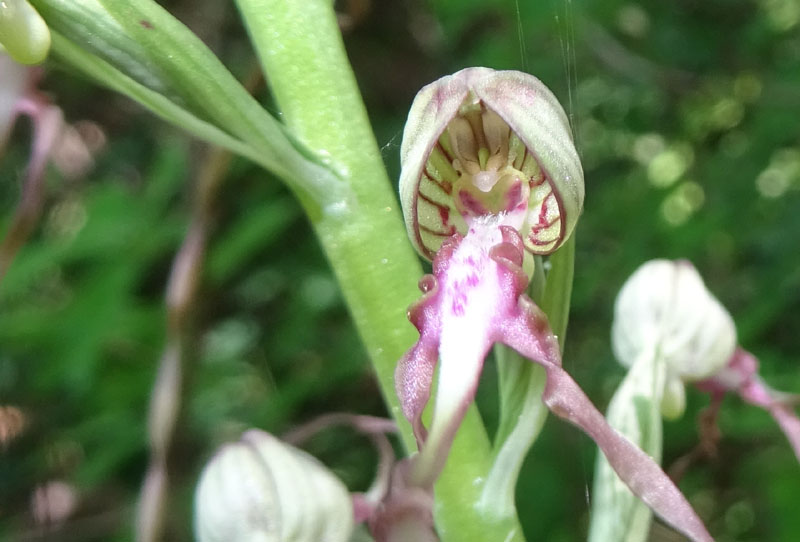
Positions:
{"x": 302, "y": 53}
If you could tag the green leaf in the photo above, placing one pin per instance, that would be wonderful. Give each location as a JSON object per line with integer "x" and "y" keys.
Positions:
{"x": 105, "y": 73}
{"x": 148, "y": 47}
{"x": 91, "y": 28}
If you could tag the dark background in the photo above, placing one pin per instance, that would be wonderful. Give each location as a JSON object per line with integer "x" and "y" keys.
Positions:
{"x": 687, "y": 117}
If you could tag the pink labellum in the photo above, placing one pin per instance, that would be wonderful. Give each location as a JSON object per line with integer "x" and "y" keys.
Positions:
{"x": 741, "y": 376}
{"x": 474, "y": 299}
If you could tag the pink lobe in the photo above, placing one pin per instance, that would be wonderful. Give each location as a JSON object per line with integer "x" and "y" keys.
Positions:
{"x": 476, "y": 300}
{"x": 741, "y": 376}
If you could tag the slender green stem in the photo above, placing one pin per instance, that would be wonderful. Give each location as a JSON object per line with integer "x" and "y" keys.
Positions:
{"x": 301, "y": 50}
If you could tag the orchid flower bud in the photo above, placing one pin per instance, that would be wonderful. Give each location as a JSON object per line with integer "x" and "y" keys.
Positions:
{"x": 484, "y": 142}
{"x": 669, "y": 330}
{"x": 23, "y": 32}
{"x": 666, "y": 306}
{"x": 260, "y": 489}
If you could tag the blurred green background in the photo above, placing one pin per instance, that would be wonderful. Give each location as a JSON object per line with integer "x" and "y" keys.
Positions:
{"x": 687, "y": 117}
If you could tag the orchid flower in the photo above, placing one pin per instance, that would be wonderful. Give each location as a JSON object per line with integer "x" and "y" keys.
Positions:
{"x": 665, "y": 309}
{"x": 265, "y": 488}
{"x": 261, "y": 488}
{"x": 490, "y": 176}
{"x": 669, "y": 330}
{"x": 698, "y": 340}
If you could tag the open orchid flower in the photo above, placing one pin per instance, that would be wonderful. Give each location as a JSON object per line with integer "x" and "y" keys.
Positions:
{"x": 667, "y": 328}
{"x": 490, "y": 174}
{"x": 484, "y": 142}
{"x": 665, "y": 307}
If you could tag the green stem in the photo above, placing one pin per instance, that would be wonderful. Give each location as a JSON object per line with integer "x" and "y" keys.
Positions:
{"x": 301, "y": 50}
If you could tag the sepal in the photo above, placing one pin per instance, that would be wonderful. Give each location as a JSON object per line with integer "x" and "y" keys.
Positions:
{"x": 483, "y": 142}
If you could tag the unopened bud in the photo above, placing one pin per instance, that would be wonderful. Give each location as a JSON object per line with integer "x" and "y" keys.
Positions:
{"x": 262, "y": 489}
{"x": 23, "y": 32}
{"x": 665, "y": 307}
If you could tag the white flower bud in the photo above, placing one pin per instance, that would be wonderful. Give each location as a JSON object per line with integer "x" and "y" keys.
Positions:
{"x": 665, "y": 305}
{"x": 261, "y": 489}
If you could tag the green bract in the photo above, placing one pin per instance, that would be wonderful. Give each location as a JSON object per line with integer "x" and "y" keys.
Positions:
{"x": 483, "y": 142}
